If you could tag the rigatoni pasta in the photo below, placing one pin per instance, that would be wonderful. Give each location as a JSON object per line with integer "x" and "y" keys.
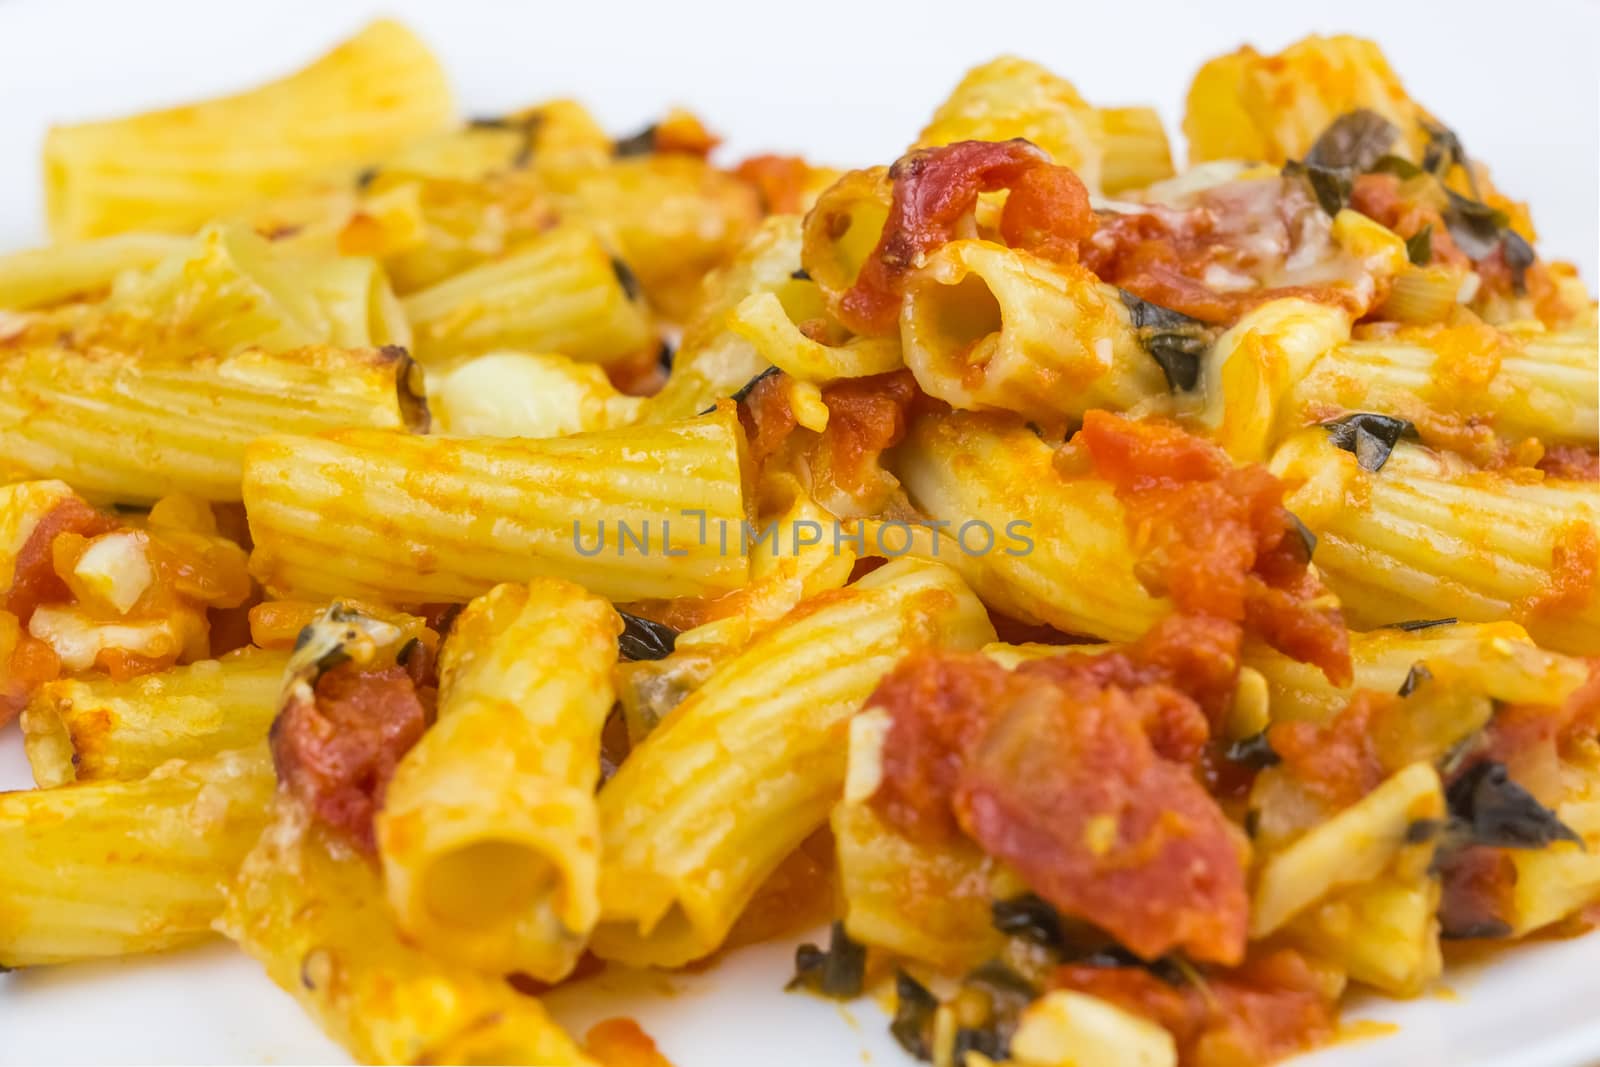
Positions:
{"x": 1047, "y": 546}
{"x": 1011, "y": 97}
{"x": 112, "y": 868}
{"x": 561, "y": 292}
{"x": 1458, "y": 385}
{"x": 1423, "y": 536}
{"x": 714, "y": 360}
{"x": 452, "y": 558}
{"x": 174, "y": 170}
{"x": 495, "y": 864}
{"x": 345, "y": 513}
{"x": 135, "y": 430}
{"x": 675, "y": 871}
{"x": 988, "y": 328}
{"x": 313, "y": 914}
{"x": 91, "y": 729}
{"x": 229, "y": 290}
{"x": 78, "y": 269}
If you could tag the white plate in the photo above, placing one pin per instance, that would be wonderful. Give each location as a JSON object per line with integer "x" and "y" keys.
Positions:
{"x": 849, "y": 82}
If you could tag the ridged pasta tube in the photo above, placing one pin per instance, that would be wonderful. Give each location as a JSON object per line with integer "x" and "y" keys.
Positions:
{"x": 489, "y": 833}
{"x": 750, "y": 763}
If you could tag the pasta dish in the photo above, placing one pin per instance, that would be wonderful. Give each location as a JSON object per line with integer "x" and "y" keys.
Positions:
{"x": 1135, "y": 607}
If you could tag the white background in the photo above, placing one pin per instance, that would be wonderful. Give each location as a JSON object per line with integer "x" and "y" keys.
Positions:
{"x": 848, "y": 83}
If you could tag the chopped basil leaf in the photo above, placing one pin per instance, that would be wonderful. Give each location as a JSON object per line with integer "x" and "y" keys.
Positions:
{"x": 527, "y": 125}
{"x": 1354, "y": 141}
{"x": 411, "y": 389}
{"x": 1116, "y": 956}
{"x": 1482, "y": 930}
{"x": 447, "y": 619}
{"x": 999, "y": 979}
{"x": 985, "y": 1041}
{"x": 1444, "y": 151}
{"x": 1331, "y": 186}
{"x": 1174, "y": 340}
{"x": 1478, "y": 229}
{"x": 1419, "y": 246}
{"x": 1253, "y": 751}
{"x": 1418, "y": 674}
{"x": 626, "y": 278}
{"x": 643, "y": 639}
{"x": 1475, "y": 226}
{"x": 1369, "y": 437}
{"x": 1519, "y": 256}
{"x": 1029, "y": 917}
{"x": 746, "y": 389}
{"x": 1421, "y": 624}
{"x": 639, "y": 144}
{"x": 1421, "y": 830}
{"x": 1007, "y": 994}
{"x": 914, "y": 1010}
{"x": 801, "y": 275}
{"x": 1308, "y": 540}
{"x": 836, "y": 973}
{"x": 1399, "y": 166}
{"x": 1488, "y": 808}
{"x": 366, "y": 176}
{"x": 1444, "y": 148}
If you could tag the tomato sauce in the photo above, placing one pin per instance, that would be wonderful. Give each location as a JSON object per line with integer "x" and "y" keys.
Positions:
{"x": 622, "y": 1043}
{"x": 31, "y": 664}
{"x": 780, "y": 181}
{"x": 1378, "y": 197}
{"x": 1571, "y": 462}
{"x": 338, "y": 751}
{"x": 35, "y": 581}
{"x": 936, "y": 190}
{"x": 1168, "y": 255}
{"x": 1079, "y": 772}
{"x": 1570, "y": 585}
{"x": 1338, "y": 761}
{"x": 1273, "y": 1006}
{"x": 1478, "y": 886}
{"x": 1217, "y": 537}
{"x": 866, "y": 417}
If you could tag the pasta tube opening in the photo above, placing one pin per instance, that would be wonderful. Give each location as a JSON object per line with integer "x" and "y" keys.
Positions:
{"x": 986, "y": 328}
{"x": 484, "y": 883}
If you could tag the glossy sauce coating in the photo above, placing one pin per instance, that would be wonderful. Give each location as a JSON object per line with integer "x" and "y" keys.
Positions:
{"x": 338, "y": 751}
{"x": 1079, "y": 772}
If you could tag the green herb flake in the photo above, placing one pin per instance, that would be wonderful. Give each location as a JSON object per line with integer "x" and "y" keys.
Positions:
{"x": 1419, "y": 246}
{"x": 1369, "y": 437}
{"x": 1174, "y": 340}
{"x": 1488, "y": 808}
{"x": 837, "y": 973}
{"x": 644, "y": 639}
{"x": 914, "y": 1011}
{"x": 1353, "y": 141}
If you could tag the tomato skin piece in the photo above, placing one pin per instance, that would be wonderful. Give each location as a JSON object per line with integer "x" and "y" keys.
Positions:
{"x": 1079, "y": 771}
{"x": 936, "y": 189}
{"x": 1218, "y": 536}
{"x": 338, "y": 751}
